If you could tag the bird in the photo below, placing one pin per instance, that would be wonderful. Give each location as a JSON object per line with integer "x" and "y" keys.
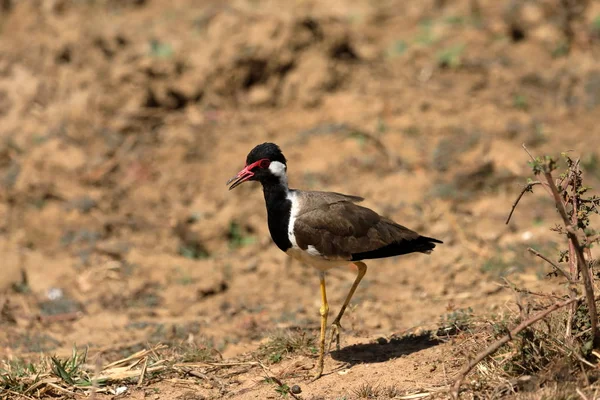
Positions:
{"x": 324, "y": 230}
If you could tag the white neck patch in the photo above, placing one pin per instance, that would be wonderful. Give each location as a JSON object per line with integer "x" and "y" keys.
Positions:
{"x": 279, "y": 170}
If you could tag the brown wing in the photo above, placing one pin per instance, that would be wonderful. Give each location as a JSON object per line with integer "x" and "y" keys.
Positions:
{"x": 317, "y": 198}
{"x": 342, "y": 229}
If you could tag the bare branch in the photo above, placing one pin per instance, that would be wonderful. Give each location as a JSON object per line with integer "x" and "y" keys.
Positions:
{"x": 573, "y": 198}
{"x": 531, "y": 292}
{"x": 505, "y": 339}
{"x": 527, "y": 151}
{"x": 554, "y": 265}
{"x": 526, "y": 188}
{"x": 572, "y": 256}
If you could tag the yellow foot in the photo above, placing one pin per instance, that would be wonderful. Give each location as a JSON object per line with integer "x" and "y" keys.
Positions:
{"x": 336, "y": 327}
{"x": 317, "y": 376}
{"x": 319, "y": 373}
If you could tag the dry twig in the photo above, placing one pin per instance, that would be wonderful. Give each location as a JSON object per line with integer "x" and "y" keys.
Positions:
{"x": 554, "y": 265}
{"x": 143, "y": 372}
{"x": 531, "y": 292}
{"x": 526, "y": 188}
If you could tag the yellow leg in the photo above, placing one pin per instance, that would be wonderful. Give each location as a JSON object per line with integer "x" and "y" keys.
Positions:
{"x": 324, "y": 311}
{"x": 336, "y": 326}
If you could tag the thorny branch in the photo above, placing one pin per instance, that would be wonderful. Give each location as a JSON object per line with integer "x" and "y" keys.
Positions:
{"x": 526, "y": 188}
{"x": 505, "y": 339}
{"x": 554, "y": 265}
{"x": 572, "y": 181}
{"x": 577, "y": 259}
{"x": 577, "y": 262}
{"x": 582, "y": 264}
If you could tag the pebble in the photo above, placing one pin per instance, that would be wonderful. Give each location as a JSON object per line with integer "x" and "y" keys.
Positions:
{"x": 296, "y": 389}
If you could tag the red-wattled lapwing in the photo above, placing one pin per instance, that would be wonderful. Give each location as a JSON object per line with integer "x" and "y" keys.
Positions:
{"x": 324, "y": 229}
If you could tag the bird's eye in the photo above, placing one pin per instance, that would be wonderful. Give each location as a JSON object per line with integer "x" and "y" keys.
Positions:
{"x": 264, "y": 163}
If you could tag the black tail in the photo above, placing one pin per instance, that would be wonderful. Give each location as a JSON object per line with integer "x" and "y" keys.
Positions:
{"x": 428, "y": 243}
{"x": 421, "y": 244}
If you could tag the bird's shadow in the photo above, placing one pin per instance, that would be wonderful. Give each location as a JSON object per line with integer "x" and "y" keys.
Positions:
{"x": 384, "y": 349}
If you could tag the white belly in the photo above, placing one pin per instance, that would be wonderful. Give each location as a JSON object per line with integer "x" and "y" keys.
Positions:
{"x": 316, "y": 261}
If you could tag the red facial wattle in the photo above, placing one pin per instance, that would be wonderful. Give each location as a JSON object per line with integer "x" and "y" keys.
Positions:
{"x": 247, "y": 173}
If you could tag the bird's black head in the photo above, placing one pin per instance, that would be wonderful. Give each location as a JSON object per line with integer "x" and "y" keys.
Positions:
{"x": 264, "y": 163}
{"x": 269, "y": 151}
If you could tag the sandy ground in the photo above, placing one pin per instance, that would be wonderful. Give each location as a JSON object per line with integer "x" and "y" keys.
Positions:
{"x": 121, "y": 121}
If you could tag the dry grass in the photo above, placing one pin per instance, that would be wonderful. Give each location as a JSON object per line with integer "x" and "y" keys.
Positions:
{"x": 367, "y": 391}
{"x": 52, "y": 376}
{"x": 282, "y": 343}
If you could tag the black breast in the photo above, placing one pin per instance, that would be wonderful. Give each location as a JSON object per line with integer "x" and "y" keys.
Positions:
{"x": 279, "y": 208}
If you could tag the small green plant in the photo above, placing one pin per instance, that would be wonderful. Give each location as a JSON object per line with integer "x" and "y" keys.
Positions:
{"x": 596, "y": 25}
{"x": 520, "y": 102}
{"x": 359, "y": 136}
{"x": 283, "y": 390}
{"x": 275, "y": 357}
{"x": 426, "y": 36}
{"x": 159, "y": 49}
{"x": 451, "y": 57}
{"x": 456, "y": 321}
{"x": 455, "y": 20}
{"x": 398, "y": 48}
{"x": 14, "y": 374}
{"x": 69, "y": 370}
{"x": 283, "y": 343}
{"x": 237, "y": 237}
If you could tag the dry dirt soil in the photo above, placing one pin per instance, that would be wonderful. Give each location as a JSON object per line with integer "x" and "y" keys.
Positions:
{"x": 121, "y": 121}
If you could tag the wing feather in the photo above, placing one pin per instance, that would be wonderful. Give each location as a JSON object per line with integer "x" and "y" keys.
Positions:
{"x": 339, "y": 228}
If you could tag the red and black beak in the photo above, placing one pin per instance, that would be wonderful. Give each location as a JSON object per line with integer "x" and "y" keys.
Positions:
{"x": 247, "y": 173}
{"x": 241, "y": 176}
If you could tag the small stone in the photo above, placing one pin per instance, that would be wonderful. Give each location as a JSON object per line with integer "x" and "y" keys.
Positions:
{"x": 296, "y": 389}
{"x": 382, "y": 340}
